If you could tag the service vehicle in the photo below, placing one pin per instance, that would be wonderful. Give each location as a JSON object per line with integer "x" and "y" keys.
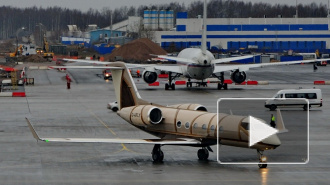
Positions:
{"x": 107, "y": 74}
{"x": 113, "y": 106}
{"x": 324, "y": 62}
{"x": 285, "y": 98}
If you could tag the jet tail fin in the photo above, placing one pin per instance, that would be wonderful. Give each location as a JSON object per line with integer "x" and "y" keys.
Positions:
{"x": 126, "y": 92}
{"x": 280, "y": 124}
{"x": 204, "y": 28}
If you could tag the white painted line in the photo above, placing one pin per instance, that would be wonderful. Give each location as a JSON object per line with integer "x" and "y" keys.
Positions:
{"x": 33, "y": 67}
{"x": 6, "y": 94}
{"x": 43, "y": 67}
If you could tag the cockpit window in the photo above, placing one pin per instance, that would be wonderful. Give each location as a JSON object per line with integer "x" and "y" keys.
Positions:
{"x": 245, "y": 125}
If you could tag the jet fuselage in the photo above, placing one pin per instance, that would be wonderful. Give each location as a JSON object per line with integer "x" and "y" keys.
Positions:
{"x": 174, "y": 123}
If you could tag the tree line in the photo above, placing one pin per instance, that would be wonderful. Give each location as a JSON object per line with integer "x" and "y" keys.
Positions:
{"x": 57, "y": 18}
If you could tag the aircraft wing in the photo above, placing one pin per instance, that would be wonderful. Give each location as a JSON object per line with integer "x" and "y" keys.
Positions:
{"x": 225, "y": 60}
{"x": 174, "y": 68}
{"x": 181, "y": 141}
{"x": 246, "y": 67}
{"x": 86, "y": 61}
{"x": 129, "y": 65}
{"x": 84, "y": 67}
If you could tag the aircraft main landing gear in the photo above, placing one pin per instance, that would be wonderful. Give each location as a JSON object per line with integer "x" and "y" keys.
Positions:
{"x": 157, "y": 154}
{"x": 203, "y": 154}
{"x": 171, "y": 85}
{"x": 262, "y": 159}
{"x": 221, "y": 84}
{"x": 168, "y": 86}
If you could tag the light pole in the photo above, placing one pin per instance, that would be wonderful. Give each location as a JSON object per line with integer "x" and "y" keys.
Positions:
{"x": 41, "y": 34}
{"x": 17, "y": 32}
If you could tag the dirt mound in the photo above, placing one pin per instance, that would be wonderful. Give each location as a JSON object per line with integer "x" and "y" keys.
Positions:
{"x": 34, "y": 58}
{"x": 137, "y": 51}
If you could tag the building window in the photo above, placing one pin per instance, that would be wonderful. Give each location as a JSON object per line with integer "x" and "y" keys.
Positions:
{"x": 212, "y": 127}
{"x": 204, "y": 127}
{"x": 195, "y": 125}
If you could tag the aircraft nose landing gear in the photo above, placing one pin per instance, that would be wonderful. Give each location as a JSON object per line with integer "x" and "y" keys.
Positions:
{"x": 157, "y": 154}
{"x": 262, "y": 159}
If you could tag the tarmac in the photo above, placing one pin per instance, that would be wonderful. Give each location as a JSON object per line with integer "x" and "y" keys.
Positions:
{"x": 81, "y": 112}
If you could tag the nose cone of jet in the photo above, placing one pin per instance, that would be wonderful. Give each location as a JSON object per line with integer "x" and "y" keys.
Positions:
{"x": 272, "y": 140}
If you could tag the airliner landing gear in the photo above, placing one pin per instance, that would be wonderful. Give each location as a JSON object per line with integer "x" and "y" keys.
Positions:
{"x": 189, "y": 83}
{"x": 221, "y": 84}
{"x": 203, "y": 154}
{"x": 171, "y": 85}
{"x": 157, "y": 153}
{"x": 262, "y": 159}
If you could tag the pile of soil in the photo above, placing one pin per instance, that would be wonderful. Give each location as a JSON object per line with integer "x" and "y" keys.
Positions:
{"x": 34, "y": 58}
{"x": 136, "y": 51}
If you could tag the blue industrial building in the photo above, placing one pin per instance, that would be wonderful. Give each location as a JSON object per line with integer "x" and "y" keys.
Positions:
{"x": 99, "y": 39}
{"x": 257, "y": 34}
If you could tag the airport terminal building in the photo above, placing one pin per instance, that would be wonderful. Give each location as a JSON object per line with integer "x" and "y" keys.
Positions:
{"x": 257, "y": 34}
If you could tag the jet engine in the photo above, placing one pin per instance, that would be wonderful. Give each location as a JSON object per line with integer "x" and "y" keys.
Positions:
{"x": 238, "y": 76}
{"x": 155, "y": 115}
{"x": 149, "y": 76}
{"x": 197, "y": 107}
{"x": 142, "y": 115}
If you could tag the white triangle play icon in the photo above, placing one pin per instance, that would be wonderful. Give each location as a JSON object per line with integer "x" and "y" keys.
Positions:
{"x": 259, "y": 131}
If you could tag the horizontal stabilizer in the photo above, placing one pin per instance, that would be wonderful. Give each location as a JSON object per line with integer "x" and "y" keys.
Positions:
{"x": 183, "y": 141}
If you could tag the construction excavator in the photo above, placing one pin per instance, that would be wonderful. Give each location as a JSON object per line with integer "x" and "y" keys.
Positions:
{"x": 44, "y": 51}
{"x": 12, "y": 56}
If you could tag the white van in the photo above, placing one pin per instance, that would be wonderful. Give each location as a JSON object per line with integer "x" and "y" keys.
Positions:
{"x": 314, "y": 96}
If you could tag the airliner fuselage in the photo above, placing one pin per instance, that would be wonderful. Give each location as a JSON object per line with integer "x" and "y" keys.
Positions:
{"x": 202, "y": 68}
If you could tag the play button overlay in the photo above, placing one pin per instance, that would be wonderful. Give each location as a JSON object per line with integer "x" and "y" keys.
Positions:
{"x": 259, "y": 131}
{"x": 246, "y": 136}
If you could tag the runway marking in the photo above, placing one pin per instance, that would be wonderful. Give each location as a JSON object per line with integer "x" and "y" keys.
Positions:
{"x": 106, "y": 126}
{"x": 124, "y": 147}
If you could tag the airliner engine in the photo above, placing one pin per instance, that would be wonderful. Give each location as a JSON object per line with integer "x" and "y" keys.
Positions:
{"x": 149, "y": 76}
{"x": 238, "y": 76}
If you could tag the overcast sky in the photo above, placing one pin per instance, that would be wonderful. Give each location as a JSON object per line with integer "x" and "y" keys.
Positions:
{"x": 84, "y": 5}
